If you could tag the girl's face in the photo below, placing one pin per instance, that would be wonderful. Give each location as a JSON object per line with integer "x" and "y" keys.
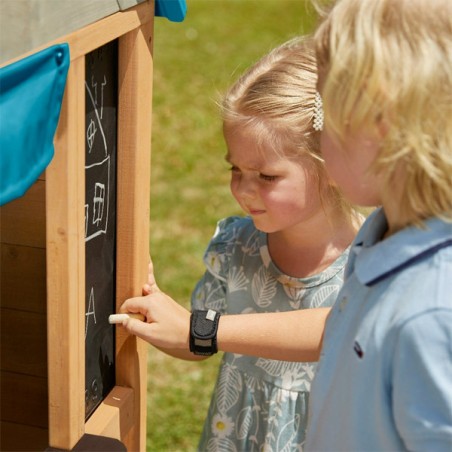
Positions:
{"x": 348, "y": 164}
{"x": 276, "y": 192}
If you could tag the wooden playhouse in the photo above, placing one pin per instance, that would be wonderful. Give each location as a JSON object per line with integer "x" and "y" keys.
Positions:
{"x": 75, "y": 245}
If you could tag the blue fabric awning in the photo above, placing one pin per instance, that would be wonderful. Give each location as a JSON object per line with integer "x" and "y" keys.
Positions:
{"x": 31, "y": 92}
{"x": 173, "y": 10}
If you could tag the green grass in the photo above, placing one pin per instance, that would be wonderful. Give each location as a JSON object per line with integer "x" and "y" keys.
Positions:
{"x": 195, "y": 61}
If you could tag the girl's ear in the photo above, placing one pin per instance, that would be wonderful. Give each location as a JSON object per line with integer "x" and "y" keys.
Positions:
{"x": 382, "y": 125}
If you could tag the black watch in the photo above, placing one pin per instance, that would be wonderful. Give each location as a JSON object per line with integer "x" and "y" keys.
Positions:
{"x": 203, "y": 332}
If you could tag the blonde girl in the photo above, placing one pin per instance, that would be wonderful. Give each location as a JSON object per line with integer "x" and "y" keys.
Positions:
{"x": 286, "y": 254}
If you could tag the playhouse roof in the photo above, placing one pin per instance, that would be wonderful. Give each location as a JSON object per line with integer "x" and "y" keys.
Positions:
{"x": 29, "y": 24}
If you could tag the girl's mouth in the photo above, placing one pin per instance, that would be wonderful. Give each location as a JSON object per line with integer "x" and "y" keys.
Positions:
{"x": 255, "y": 212}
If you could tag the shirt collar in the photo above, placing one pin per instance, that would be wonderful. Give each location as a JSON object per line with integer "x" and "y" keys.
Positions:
{"x": 376, "y": 259}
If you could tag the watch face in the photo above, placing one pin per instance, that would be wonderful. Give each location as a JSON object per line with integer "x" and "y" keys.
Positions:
{"x": 211, "y": 314}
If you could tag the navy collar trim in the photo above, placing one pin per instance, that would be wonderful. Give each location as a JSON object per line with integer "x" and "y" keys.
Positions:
{"x": 409, "y": 262}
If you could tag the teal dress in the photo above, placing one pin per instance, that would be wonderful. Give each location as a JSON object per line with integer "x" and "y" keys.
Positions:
{"x": 258, "y": 404}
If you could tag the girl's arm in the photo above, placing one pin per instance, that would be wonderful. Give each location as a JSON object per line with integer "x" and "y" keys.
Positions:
{"x": 287, "y": 336}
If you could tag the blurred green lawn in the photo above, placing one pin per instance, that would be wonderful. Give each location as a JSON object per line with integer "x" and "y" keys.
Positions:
{"x": 194, "y": 62}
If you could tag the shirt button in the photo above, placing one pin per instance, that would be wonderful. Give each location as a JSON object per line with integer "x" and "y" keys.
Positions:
{"x": 343, "y": 303}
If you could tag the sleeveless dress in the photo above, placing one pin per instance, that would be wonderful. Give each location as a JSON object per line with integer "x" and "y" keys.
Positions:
{"x": 258, "y": 404}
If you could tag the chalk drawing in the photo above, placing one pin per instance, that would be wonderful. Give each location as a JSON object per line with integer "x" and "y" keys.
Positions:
{"x": 96, "y": 112}
{"x": 99, "y": 202}
{"x": 91, "y": 131}
{"x": 91, "y": 311}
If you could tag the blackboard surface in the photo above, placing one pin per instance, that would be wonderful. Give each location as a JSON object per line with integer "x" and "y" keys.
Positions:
{"x": 101, "y": 98}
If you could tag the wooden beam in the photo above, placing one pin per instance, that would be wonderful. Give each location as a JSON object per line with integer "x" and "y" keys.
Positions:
{"x": 115, "y": 415}
{"x": 134, "y": 165}
{"x": 65, "y": 199}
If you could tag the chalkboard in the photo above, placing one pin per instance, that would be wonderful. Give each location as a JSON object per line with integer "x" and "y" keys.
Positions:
{"x": 101, "y": 99}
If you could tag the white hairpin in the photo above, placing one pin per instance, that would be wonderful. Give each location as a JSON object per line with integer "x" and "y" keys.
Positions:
{"x": 318, "y": 113}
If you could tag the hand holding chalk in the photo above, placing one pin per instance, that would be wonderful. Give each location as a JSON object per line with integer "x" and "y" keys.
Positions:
{"x": 119, "y": 318}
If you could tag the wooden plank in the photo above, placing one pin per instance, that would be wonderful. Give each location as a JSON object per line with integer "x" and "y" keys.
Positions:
{"x": 24, "y": 399}
{"x": 18, "y": 437}
{"x": 23, "y": 342}
{"x": 23, "y": 278}
{"x": 66, "y": 267}
{"x": 31, "y": 23}
{"x": 99, "y": 33}
{"x": 134, "y": 141}
{"x": 115, "y": 415}
{"x": 22, "y": 221}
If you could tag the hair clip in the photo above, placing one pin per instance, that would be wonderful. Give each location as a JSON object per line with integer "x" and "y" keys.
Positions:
{"x": 318, "y": 113}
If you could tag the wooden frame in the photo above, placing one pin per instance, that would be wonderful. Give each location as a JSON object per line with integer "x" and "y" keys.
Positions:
{"x": 122, "y": 414}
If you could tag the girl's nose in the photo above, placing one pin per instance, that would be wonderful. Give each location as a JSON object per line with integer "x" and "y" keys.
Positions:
{"x": 246, "y": 188}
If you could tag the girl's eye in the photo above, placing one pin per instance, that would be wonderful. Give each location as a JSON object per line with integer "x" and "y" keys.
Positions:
{"x": 268, "y": 178}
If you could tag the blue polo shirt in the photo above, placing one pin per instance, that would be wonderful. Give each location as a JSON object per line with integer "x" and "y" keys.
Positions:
{"x": 384, "y": 382}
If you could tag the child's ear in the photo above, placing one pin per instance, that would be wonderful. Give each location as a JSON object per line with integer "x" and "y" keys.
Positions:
{"x": 382, "y": 125}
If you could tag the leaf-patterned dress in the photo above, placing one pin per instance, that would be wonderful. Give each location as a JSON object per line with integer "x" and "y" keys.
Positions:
{"x": 258, "y": 404}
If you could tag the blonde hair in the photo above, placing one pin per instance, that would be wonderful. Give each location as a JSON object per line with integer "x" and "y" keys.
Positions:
{"x": 275, "y": 100}
{"x": 386, "y": 68}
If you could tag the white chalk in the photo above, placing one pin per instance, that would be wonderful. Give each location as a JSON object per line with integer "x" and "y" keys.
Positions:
{"x": 118, "y": 318}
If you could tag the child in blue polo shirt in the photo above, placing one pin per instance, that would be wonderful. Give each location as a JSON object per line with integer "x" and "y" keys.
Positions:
{"x": 384, "y": 381}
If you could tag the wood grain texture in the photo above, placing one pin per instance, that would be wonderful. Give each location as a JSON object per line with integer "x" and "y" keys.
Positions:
{"x": 20, "y": 437}
{"x": 23, "y": 342}
{"x": 134, "y": 163}
{"x": 24, "y": 400}
{"x": 22, "y": 221}
{"x": 115, "y": 415}
{"x": 65, "y": 199}
{"x": 23, "y": 278}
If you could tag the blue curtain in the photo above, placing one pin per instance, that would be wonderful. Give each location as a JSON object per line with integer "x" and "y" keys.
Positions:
{"x": 31, "y": 92}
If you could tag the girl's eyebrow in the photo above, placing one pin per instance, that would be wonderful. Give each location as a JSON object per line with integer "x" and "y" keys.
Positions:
{"x": 254, "y": 166}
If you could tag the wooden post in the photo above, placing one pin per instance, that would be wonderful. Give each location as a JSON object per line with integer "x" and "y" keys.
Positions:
{"x": 65, "y": 195}
{"x": 134, "y": 164}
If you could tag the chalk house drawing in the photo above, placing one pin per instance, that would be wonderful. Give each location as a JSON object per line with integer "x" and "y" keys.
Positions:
{"x": 97, "y": 205}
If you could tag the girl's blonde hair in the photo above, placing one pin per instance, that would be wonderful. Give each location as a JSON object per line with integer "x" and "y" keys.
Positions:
{"x": 274, "y": 99}
{"x": 386, "y": 68}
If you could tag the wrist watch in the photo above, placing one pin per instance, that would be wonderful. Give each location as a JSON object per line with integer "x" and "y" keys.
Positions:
{"x": 203, "y": 332}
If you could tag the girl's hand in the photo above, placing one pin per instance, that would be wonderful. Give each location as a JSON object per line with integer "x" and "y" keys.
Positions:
{"x": 167, "y": 323}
